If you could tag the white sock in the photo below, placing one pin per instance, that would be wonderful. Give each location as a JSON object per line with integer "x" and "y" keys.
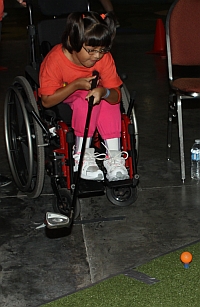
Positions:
{"x": 79, "y": 142}
{"x": 113, "y": 144}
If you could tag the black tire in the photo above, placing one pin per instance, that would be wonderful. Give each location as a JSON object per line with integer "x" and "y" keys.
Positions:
{"x": 67, "y": 201}
{"x": 24, "y": 139}
{"x": 122, "y": 196}
{"x": 125, "y": 102}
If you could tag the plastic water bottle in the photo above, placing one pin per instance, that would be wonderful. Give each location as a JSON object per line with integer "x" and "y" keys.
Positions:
{"x": 195, "y": 160}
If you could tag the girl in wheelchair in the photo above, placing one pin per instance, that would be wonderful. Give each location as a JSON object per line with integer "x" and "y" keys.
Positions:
{"x": 66, "y": 76}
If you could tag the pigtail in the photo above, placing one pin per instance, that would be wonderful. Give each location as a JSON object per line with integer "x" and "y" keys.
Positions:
{"x": 111, "y": 21}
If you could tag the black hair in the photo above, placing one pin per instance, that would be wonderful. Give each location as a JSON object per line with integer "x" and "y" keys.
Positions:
{"x": 88, "y": 28}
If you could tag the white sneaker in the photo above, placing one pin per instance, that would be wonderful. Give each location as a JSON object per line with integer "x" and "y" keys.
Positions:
{"x": 90, "y": 169}
{"x": 115, "y": 165}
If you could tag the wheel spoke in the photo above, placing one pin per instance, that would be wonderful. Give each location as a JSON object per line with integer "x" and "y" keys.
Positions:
{"x": 22, "y": 135}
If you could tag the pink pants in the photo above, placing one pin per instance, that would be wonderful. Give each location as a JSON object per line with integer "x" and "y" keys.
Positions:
{"x": 105, "y": 117}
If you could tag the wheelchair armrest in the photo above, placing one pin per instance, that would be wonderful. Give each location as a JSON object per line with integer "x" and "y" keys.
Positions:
{"x": 32, "y": 75}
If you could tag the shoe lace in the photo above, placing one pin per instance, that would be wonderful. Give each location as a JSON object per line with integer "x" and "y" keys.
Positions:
{"x": 118, "y": 155}
{"x": 98, "y": 156}
{"x": 95, "y": 155}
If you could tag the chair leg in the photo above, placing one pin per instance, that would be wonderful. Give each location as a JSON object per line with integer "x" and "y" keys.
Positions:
{"x": 172, "y": 113}
{"x": 181, "y": 143}
{"x": 169, "y": 131}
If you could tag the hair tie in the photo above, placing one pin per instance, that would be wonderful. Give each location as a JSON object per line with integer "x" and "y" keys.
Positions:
{"x": 103, "y": 16}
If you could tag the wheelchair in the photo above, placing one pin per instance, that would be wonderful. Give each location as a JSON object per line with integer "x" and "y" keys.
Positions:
{"x": 40, "y": 141}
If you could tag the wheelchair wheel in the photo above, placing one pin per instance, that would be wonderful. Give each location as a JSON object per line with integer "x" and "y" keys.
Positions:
{"x": 122, "y": 196}
{"x": 65, "y": 206}
{"x": 125, "y": 101}
{"x": 24, "y": 139}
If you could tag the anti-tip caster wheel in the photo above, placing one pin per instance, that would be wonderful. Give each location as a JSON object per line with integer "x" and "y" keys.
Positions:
{"x": 122, "y": 196}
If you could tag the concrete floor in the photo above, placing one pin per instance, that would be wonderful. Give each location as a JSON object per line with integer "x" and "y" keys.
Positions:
{"x": 37, "y": 267}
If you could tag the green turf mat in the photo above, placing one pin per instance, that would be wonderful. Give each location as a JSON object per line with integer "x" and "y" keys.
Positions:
{"x": 177, "y": 286}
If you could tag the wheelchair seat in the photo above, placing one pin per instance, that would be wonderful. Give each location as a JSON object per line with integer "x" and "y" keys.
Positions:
{"x": 62, "y": 111}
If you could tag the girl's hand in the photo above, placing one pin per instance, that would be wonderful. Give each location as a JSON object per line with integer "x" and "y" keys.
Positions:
{"x": 23, "y": 3}
{"x": 83, "y": 83}
{"x": 97, "y": 93}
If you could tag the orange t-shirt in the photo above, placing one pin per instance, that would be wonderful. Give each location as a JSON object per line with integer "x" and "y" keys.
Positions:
{"x": 56, "y": 69}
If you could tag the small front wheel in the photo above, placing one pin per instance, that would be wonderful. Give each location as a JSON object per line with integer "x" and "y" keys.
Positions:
{"x": 122, "y": 196}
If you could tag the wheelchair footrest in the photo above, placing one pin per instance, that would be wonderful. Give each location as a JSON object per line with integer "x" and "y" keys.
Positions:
{"x": 88, "y": 188}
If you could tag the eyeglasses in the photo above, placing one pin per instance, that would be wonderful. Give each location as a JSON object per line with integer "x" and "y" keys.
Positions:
{"x": 93, "y": 51}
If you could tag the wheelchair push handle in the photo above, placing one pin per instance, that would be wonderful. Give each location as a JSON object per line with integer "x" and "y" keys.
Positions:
{"x": 131, "y": 104}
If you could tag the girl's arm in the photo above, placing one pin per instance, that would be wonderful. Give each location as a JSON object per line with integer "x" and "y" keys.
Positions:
{"x": 61, "y": 94}
{"x": 112, "y": 95}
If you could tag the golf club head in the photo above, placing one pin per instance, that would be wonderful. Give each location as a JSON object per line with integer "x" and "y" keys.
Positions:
{"x": 55, "y": 220}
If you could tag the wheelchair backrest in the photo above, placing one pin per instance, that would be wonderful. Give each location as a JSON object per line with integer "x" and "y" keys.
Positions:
{"x": 50, "y": 30}
{"x": 50, "y": 33}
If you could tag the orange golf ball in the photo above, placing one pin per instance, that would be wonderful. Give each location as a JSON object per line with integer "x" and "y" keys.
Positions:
{"x": 186, "y": 257}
